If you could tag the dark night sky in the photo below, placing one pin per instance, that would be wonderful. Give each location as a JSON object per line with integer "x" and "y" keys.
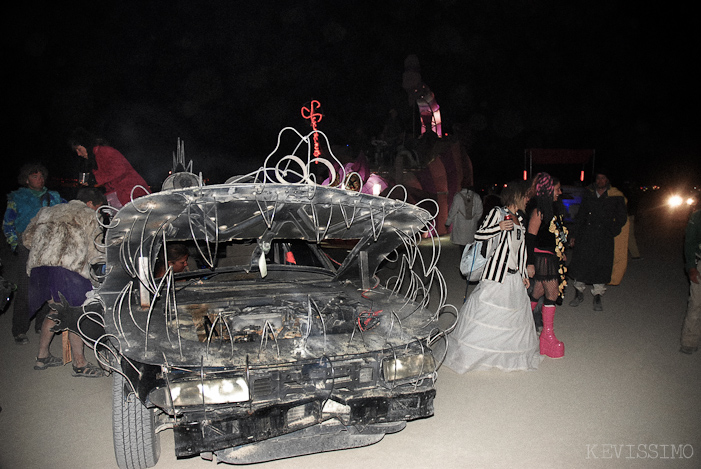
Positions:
{"x": 227, "y": 76}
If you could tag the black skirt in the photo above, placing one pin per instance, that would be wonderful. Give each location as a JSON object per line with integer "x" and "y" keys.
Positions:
{"x": 547, "y": 266}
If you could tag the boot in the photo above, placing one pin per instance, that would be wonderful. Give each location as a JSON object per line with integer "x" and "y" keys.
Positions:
{"x": 578, "y": 298}
{"x": 549, "y": 345}
{"x": 597, "y": 303}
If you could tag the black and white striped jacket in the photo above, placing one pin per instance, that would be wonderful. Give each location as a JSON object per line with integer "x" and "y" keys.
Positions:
{"x": 489, "y": 231}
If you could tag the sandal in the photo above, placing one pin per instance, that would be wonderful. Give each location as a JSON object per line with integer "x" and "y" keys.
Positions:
{"x": 44, "y": 363}
{"x": 88, "y": 371}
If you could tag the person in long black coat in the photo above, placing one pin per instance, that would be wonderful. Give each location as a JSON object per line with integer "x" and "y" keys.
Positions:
{"x": 600, "y": 219}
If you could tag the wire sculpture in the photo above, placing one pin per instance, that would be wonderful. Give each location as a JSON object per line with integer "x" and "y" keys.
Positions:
{"x": 139, "y": 231}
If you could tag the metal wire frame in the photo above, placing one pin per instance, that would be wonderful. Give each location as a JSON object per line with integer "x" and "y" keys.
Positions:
{"x": 414, "y": 284}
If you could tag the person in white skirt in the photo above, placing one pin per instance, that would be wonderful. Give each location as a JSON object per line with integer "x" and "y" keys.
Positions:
{"x": 495, "y": 324}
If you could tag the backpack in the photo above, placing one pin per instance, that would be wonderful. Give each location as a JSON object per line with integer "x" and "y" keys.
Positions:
{"x": 475, "y": 256}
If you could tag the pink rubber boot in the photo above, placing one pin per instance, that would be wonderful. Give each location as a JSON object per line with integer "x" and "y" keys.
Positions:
{"x": 549, "y": 345}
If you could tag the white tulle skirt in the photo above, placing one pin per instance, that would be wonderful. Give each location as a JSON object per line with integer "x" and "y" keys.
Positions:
{"x": 495, "y": 330}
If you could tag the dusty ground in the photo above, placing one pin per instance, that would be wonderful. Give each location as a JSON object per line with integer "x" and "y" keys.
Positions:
{"x": 623, "y": 396}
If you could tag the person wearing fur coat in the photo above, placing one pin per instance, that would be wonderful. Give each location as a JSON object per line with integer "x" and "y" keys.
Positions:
{"x": 62, "y": 242}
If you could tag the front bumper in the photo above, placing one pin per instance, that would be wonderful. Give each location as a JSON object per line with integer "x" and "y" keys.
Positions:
{"x": 203, "y": 432}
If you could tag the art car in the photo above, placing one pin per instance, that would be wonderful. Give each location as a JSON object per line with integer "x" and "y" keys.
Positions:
{"x": 304, "y": 323}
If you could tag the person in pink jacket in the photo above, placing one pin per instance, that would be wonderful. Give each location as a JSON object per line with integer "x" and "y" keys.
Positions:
{"x": 109, "y": 167}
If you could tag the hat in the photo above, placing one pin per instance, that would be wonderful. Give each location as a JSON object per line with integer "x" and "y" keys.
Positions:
{"x": 603, "y": 171}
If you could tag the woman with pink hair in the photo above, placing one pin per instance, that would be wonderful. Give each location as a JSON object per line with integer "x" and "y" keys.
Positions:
{"x": 546, "y": 240}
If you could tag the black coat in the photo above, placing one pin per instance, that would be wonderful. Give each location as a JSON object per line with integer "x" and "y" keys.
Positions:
{"x": 598, "y": 222}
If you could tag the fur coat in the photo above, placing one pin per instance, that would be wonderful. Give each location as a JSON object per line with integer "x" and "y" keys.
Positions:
{"x": 64, "y": 235}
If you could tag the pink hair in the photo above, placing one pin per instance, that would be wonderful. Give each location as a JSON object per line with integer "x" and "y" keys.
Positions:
{"x": 543, "y": 185}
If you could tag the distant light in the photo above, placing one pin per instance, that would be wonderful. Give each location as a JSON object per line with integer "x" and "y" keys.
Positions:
{"x": 581, "y": 176}
{"x": 525, "y": 175}
{"x": 675, "y": 201}
{"x": 690, "y": 201}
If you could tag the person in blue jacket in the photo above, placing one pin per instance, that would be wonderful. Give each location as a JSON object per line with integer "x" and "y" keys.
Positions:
{"x": 22, "y": 205}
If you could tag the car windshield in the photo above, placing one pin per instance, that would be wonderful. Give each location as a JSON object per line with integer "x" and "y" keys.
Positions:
{"x": 245, "y": 255}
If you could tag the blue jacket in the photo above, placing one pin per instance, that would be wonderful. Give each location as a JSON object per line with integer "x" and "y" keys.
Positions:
{"x": 22, "y": 205}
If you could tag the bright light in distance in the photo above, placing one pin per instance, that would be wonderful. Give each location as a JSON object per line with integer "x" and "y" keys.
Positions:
{"x": 675, "y": 201}
{"x": 690, "y": 201}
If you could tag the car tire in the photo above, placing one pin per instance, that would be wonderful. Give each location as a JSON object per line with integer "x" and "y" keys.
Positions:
{"x": 136, "y": 444}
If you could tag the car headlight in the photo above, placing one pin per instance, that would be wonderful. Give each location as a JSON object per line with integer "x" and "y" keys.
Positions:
{"x": 211, "y": 391}
{"x": 408, "y": 366}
